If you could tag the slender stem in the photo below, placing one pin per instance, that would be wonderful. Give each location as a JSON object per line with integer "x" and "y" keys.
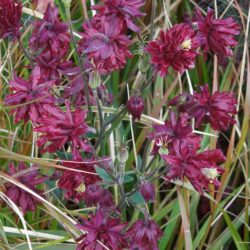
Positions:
{"x": 25, "y": 52}
{"x": 86, "y": 89}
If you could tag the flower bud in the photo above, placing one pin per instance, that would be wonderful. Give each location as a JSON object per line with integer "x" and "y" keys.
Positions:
{"x": 94, "y": 80}
{"x": 122, "y": 155}
{"x": 147, "y": 190}
{"x": 135, "y": 106}
{"x": 144, "y": 64}
{"x": 67, "y": 3}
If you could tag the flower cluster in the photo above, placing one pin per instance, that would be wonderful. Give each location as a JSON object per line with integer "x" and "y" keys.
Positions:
{"x": 178, "y": 46}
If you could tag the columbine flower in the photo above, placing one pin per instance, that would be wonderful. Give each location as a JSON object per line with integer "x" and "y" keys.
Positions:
{"x": 21, "y": 198}
{"x": 176, "y": 48}
{"x": 135, "y": 106}
{"x": 174, "y": 132}
{"x": 218, "y": 34}
{"x": 95, "y": 195}
{"x": 144, "y": 235}
{"x": 103, "y": 228}
{"x": 105, "y": 46}
{"x": 217, "y": 109}
{"x": 50, "y": 39}
{"x": 10, "y": 15}
{"x": 33, "y": 96}
{"x": 124, "y": 10}
{"x": 147, "y": 190}
{"x": 75, "y": 183}
{"x": 64, "y": 127}
{"x": 201, "y": 169}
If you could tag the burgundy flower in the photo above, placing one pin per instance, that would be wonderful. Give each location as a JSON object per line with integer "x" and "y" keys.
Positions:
{"x": 201, "y": 169}
{"x": 144, "y": 235}
{"x": 176, "y": 48}
{"x": 135, "y": 106}
{"x": 95, "y": 195}
{"x": 50, "y": 39}
{"x": 217, "y": 109}
{"x": 21, "y": 198}
{"x": 105, "y": 45}
{"x": 10, "y": 15}
{"x": 102, "y": 228}
{"x": 174, "y": 132}
{"x": 75, "y": 183}
{"x": 124, "y": 10}
{"x": 33, "y": 96}
{"x": 64, "y": 127}
{"x": 218, "y": 34}
{"x": 147, "y": 190}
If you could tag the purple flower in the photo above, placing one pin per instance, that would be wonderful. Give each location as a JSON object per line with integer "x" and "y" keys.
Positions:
{"x": 176, "y": 48}
{"x": 95, "y": 195}
{"x": 175, "y": 131}
{"x": 105, "y": 45}
{"x": 21, "y": 198}
{"x": 64, "y": 127}
{"x": 50, "y": 39}
{"x": 147, "y": 190}
{"x": 10, "y": 15}
{"x": 201, "y": 169}
{"x": 33, "y": 96}
{"x": 124, "y": 10}
{"x": 135, "y": 106}
{"x": 102, "y": 228}
{"x": 218, "y": 35}
{"x": 75, "y": 183}
{"x": 144, "y": 235}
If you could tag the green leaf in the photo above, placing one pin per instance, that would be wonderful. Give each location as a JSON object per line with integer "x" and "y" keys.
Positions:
{"x": 103, "y": 174}
{"x": 137, "y": 198}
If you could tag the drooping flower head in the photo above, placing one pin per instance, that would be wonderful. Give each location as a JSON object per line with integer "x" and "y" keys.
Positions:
{"x": 147, "y": 190}
{"x": 20, "y": 197}
{"x": 218, "y": 35}
{"x": 10, "y": 15}
{"x": 105, "y": 46}
{"x": 176, "y": 48}
{"x": 135, "y": 106}
{"x": 125, "y": 12}
{"x": 105, "y": 229}
{"x": 175, "y": 131}
{"x": 144, "y": 235}
{"x": 64, "y": 127}
{"x": 201, "y": 169}
{"x": 50, "y": 39}
{"x": 34, "y": 96}
{"x": 217, "y": 109}
{"x": 74, "y": 183}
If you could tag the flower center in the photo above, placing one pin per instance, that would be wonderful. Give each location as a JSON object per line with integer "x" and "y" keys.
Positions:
{"x": 101, "y": 36}
{"x": 210, "y": 173}
{"x": 81, "y": 188}
{"x": 187, "y": 44}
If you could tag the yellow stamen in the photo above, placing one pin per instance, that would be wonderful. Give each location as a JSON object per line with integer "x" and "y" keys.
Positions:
{"x": 187, "y": 44}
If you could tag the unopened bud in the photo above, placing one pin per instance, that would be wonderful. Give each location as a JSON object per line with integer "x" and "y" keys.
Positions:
{"x": 67, "y": 3}
{"x": 122, "y": 155}
{"x": 144, "y": 64}
{"x": 94, "y": 80}
{"x": 135, "y": 106}
{"x": 147, "y": 190}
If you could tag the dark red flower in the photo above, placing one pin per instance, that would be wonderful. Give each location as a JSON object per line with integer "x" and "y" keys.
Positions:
{"x": 50, "y": 39}
{"x": 21, "y": 198}
{"x": 124, "y": 10}
{"x": 217, "y": 109}
{"x": 75, "y": 183}
{"x": 175, "y": 131}
{"x": 33, "y": 96}
{"x": 10, "y": 15}
{"x": 201, "y": 169}
{"x": 95, "y": 195}
{"x": 176, "y": 48}
{"x": 105, "y": 45}
{"x": 218, "y": 35}
{"x": 135, "y": 106}
{"x": 64, "y": 127}
{"x": 144, "y": 235}
{"x": 100, "y": 227}
{"x": 147, "y": 190}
